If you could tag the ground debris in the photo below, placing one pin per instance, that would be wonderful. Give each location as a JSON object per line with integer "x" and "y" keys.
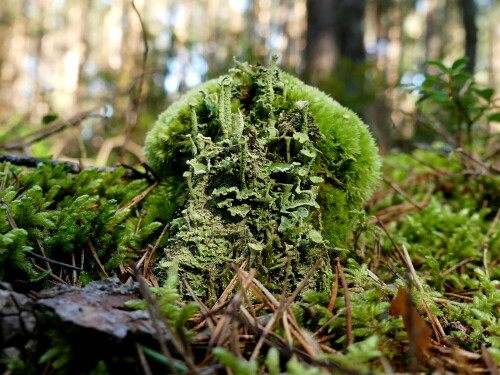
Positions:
{"x": 100, "y": 306}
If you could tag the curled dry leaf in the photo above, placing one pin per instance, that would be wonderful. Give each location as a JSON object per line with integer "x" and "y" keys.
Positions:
{"x": 419, "y": 333}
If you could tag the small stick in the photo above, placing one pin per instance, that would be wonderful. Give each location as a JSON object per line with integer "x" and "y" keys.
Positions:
{"x": 459, "y": 264}
{"x": 4, "y": 179}
{"x": 55, "y": 127}
{"x": 325, "y": 326}
{"x": 335, "y": 290}
{"x": 209, "y": 318}
{"x": 96, "y": 257}
{"x": 489, "y": 360}
{"x": 436, "y": 326}
{"x": 402, "y": 192}
{"x": 445, "y": 301}
{"x": 35, "y": 255}
{"x": 138, "y": 198}
{"x": 302, "y": 283}
{"x": 156, "y": 318}
{"x": 142, "y": 360}
{"x": 391, "y": 239}
{"x": 347, "y": 303}
{"x": 155, "y": 247}
{"x": 228, "y": 290}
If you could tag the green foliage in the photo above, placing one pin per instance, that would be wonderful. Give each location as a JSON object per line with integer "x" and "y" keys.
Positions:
{"x": 272, "y": 169}
{"x": 358, "y": 354}
{"x": 451, "y": 97}
{"x": 238, "y": 366}
{"x": 47, "y": 210}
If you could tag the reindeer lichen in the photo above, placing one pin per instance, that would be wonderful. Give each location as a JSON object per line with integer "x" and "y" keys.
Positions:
{"x": 272, "y": 168}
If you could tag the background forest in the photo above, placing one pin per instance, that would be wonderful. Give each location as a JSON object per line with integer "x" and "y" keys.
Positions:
{"x": 62, "y": 58}
{"x": 407, "y": 279}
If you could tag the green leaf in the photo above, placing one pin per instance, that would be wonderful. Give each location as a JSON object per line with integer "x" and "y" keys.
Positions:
{"x": 494, "y": 117}
{"x": 459, "y": 64}
{"x": 485, "y": 93}
{"x": 439, "y": 64}
{"x": 48, "y": 118}
{"x": 439, "y": 96}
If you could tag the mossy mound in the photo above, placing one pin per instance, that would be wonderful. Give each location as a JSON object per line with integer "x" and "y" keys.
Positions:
{"x": 272, "y": 168}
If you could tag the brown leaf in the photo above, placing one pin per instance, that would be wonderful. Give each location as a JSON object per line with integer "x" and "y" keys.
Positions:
{"x": 419, "y": 333}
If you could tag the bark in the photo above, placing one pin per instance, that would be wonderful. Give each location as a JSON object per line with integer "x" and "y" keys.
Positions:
{"x": 334, "y": 33}
{"x": 321, "y": 48}
{"x": 469, "y": 20}
{"x": 349, "y": 30}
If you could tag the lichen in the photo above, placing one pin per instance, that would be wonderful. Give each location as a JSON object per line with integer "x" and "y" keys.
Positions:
{"x": 272, "y": 168}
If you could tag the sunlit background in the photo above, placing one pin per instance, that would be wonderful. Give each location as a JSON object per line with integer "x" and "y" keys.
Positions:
{"x": 60, "y": 58}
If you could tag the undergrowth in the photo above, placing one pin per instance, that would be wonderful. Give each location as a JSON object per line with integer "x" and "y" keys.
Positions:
{"x": 436, "y": 214}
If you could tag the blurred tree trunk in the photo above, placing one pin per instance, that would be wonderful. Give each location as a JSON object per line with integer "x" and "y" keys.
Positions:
{"x": 349, "y": 30}
{"x": 469, "y": 19}
{"x": 432, "y": 38}
{"x": 334, "y": 32}
{"x": 321, "y": 47}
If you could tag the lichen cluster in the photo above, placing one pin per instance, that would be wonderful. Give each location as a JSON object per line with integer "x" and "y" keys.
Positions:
{"x": 271, "y": 167}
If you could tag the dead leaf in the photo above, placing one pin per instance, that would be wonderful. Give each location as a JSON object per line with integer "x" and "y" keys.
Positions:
{"x": 419, "y": 333}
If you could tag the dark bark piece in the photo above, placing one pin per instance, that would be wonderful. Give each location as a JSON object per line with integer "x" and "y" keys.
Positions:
{"x": 99, "y": 306}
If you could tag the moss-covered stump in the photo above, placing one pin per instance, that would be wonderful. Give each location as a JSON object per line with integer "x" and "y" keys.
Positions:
{"x": 270, "y": 168}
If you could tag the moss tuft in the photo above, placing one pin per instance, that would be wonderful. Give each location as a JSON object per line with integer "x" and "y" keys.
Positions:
{"x": 272, "y": 168}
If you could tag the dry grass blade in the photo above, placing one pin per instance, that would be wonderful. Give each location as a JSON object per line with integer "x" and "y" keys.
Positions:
{"x": 146, "y": 268}
{"x": 398, "y": 189}
{"x": 335, "y": 290}
{"x": 229, "y": 288}
{"x": 224, "y": 323}
{"x": 96, "y": 257}
{"x": 327, "y": 324}
{"x": 261, "y": 291}
{"x": 489, "y": 361}
{"x": 208, "y": 316}
{"x": 142, "y": 360}
{"x": 436, "y": 326}
{"x": 138, "y": 198}
{"x": 156, "y": 318}
{"x": 4, "y": 179}
{"x": 458, "y": 265}
{"x": 347, "y": 303}
{"x": 392, "y": 240}
{"x": 302, "y": 283}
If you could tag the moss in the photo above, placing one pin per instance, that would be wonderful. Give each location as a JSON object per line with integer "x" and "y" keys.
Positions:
{"x": 272, "y": 168}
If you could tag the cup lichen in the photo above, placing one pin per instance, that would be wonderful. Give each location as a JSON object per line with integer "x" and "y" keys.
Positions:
{"x": 271, "y": 169}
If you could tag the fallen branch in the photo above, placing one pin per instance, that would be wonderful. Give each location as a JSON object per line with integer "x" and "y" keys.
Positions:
{"x": 32, "y": 162}
{"x": 51, "y": 129}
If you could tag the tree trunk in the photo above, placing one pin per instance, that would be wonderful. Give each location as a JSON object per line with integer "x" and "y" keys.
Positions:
{"x": 349, "y": 31}
{"x": 334, "y": 32}
{"x": 321, "y": 48}
{"x": 469, "y": 20}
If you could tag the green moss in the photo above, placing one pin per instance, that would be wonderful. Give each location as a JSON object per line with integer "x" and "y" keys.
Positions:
{"x": 272, "y": 168}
